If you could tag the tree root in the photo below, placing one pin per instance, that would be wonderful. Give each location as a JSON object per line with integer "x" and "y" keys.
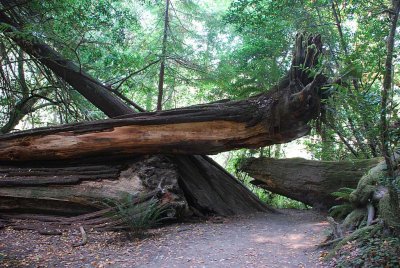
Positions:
{"x": 325, "y": 244}
{"x": 84, "y": 238}
{"x": 356, "y": 235}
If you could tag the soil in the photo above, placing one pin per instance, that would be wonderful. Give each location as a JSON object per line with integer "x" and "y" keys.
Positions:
{"x": 285, "y": 239}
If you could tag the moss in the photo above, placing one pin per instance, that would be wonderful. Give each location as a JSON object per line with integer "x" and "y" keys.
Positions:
{"x": 389, "y": 211}
{"x": 355, "y": 219}
{"x": 367, "y": 185}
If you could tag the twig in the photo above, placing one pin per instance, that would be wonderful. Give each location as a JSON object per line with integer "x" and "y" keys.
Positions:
{"x": 330, "y": 242}
{"x": 84, "y": 238}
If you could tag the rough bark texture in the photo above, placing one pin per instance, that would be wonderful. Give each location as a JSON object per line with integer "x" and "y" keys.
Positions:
{"x": 278, "y": 116}
{"x": 214, "y": 190}
{"x": 98, "y": 94}
{"x": 308, "y": 181}
{"x": 76, "y": 188}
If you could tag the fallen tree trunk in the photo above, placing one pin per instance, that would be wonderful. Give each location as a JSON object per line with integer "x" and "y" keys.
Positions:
{"x": 99, "y": 95}
{"x": 73, "y": 188}
{"x": 90, "y": 88}
{"x": 309, "y": 181}
{"x": 278, "y": 116}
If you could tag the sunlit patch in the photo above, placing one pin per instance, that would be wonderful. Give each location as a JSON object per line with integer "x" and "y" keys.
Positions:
{"x": 291, "y": 241}
{"x": 261, "y": 239}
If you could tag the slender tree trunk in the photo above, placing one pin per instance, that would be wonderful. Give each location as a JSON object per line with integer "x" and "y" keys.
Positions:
{"x": 387, "y": 86}
{"x": 356, "y": 133}
{"x": 393, "y": 219}
{"x": 163, "y": 58}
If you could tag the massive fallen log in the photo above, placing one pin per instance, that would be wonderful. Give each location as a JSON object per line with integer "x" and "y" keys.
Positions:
{"x": 309, "y": 181}
{"x": 278, "y": 116}
{"x": 100, "y": 96}
{"x": 208, "y": 173}
{"x": 71, "y": 188}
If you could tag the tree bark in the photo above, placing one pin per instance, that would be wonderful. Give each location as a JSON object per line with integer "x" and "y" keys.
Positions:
{"x": 73, "y": 188}
{"x": 309, "y": 181}
{"x": 99, "y": 95}
{"x": 163, "y": 58}
{"x": 278, "y": 116}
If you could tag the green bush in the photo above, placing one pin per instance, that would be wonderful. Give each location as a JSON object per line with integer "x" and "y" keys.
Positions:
{"x": 342, "y": 210}
{"x": 371, "y": 252}
{"x": 139, "y": 216}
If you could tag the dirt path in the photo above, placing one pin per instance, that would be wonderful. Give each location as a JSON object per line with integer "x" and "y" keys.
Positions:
{"x": 262, "y": 240}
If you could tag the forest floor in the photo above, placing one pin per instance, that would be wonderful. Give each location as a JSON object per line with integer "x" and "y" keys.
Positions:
{"x": 287, "y": 239}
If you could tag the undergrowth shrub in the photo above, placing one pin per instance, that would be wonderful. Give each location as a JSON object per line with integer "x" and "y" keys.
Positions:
{"x": 342, "y": 210}
{"x": 371, "y": 252}
{"x": 139, "y": 216}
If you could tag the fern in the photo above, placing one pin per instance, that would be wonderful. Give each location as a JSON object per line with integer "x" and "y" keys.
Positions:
{"x": 139, "y": 216}
{"x": 343, "y": 193}
{"x": 342, "y": 210}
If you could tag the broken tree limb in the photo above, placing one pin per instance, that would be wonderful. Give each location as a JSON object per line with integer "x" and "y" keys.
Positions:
{"x": 278, "y": 116}
{"x": 309, "y": 181}
{"x": 67, "y": 70}
{"x": 84, "y": 238}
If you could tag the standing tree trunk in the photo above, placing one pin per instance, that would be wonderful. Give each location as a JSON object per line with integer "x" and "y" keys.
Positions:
{"x": 163, "y": 58}
{"x": 393, "y": 210}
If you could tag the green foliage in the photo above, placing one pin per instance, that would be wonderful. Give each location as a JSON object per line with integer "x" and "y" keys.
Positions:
{"x": 342, "y": 210}
{"x": 138, "y": 216}
{"x": 376, "y": 251}
{"x": 343, "y": 193}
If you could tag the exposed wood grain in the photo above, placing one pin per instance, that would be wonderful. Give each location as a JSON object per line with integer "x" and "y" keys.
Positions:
{"x": 278, "y": 116}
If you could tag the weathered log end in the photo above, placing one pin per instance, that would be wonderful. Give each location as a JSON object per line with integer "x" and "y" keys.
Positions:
{"x": 311, "y": 182}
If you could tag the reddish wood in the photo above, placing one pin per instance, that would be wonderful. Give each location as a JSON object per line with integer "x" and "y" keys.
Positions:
{"x": 278, "y": 116}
